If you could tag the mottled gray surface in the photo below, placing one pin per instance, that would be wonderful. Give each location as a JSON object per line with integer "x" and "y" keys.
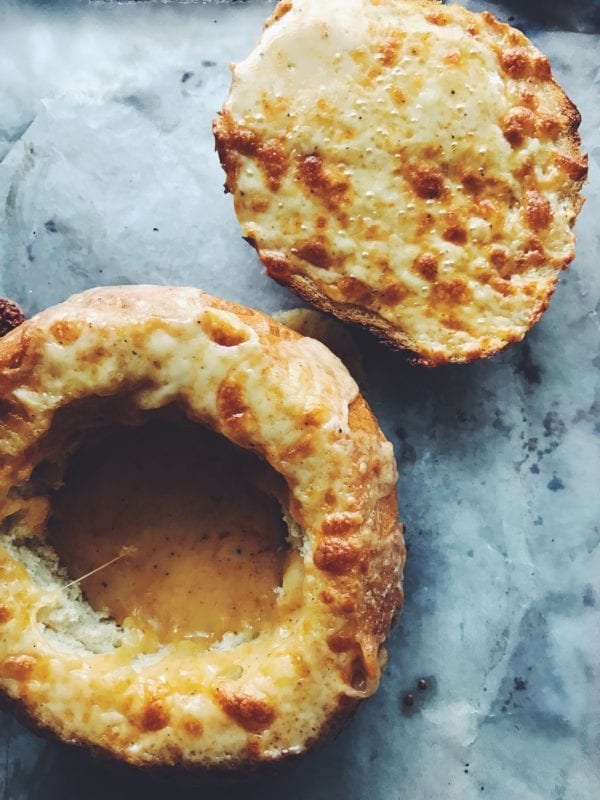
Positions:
{"x": 107, "y": 174}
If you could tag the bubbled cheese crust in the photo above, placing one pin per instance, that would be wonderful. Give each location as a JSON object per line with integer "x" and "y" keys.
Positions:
{"x": 408, "y": 166}
{"x": 263, "y": 387}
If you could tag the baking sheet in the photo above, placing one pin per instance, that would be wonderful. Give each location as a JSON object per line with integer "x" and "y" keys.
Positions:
{"x": 108, "y": 175}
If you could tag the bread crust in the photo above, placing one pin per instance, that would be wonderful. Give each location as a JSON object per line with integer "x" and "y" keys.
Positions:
{"x": 409, "y": 167}
{"x": 264, "y": 387}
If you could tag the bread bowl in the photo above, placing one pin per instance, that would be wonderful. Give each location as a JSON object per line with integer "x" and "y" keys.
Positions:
{"x": 139, "y": 356}
{"x": 408, "y": 166}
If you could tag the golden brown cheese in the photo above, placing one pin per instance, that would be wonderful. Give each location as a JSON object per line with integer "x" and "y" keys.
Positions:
{"x": 408, "y": 166}
{"x": 114, "y": 356}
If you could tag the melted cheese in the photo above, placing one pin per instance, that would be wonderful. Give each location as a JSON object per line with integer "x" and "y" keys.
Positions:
{"x": 144, "y": 692}
{"x": 361, "y": 137}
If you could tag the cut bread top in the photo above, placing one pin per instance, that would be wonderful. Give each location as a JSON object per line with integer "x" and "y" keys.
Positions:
{"x": 408, "y": 166}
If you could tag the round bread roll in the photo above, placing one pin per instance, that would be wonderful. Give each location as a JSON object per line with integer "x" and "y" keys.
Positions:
{"x": 237, "y": 698}
{"x": 407, "y": 166}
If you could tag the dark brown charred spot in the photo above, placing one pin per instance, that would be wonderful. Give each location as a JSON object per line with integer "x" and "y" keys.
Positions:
{"x": 193, "y": 726}
{"x": 17, "y": 668}
{"x": 453, "y": 323}
{"x": 491, "y": 21}
{"x": 154, "y": 717}
{"x": 65, "y": 332}
{"x": 516, "y": 62}
{"x": 538, "y": 213}
{"x": 456, "y": 234}
{"x": 388, "y": 51}
{"x": 95, "y": 355}
{"x": 339, "y": 524}
{"x": 498, "y": 256}
{"x": 228, "y": 141}
{"x": 472, "y": 183}
{"x": 276, "y": 264}
{"x": 393, "y": 293}
{"x": 453, "y": 57}
{"x": 347, "y": 603}
{"x": 425, "y": 223}
{"x": 437, "y": 17}
{"x": 432, "y": 151}
{"x": 542, "y": 69}
{"x": 335, "y": 555}
{"x": 253, "y": 714}
{"x": 503, "y": 286}
{"x": 315, "y": 417}
{"x": 529, "y": 99}
{"x": 260, "y": 206}
{"x": 315, "y": 252}
{"x": 222, "y": 332}
{"x": 275, "y": 163}
{"x": 576, "y": 168}
{"x": 532, "y": 254}
{"x": 426, "y": 180}
{"x": 302, "y": 448}
{"x": 231, "y": 403}
{"x": 342, "y": 641}
{"x": 549, "y": 127}
{"x": 300, "y": 665}
{"x": 449, "y": 292}
{"x": 525, "y": 172}
{"x": 312, "y": 173}
{"x": 517, "y": 125}
{"x": 330, "y": 498}
{"x": 426, "y": 265}
{"x": 398, "y": 95}
{"x": 326, "y": 597}
{"x": 354, "y": 290}
{"x": 233, "y": 140}
{"x": 373, "y": 233}
{"x": 454, "y": 231}
{"x": 245, "y": 141}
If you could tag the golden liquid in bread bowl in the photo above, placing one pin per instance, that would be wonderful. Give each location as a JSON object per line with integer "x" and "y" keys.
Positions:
{"x": 207, "y": 548}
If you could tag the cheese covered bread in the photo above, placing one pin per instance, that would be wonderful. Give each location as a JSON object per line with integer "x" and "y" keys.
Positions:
{"x": 215, "y": 647}
{"x": 408, "y": 166}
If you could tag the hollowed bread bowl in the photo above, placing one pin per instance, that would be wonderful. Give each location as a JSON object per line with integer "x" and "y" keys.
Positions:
{"x": 122, "y": 356}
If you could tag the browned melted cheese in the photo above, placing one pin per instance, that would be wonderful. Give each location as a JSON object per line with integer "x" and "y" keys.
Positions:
{"x": 150, "y": 691}
{"x": 209, "y": 546}
{"x": 408, "y": 166}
